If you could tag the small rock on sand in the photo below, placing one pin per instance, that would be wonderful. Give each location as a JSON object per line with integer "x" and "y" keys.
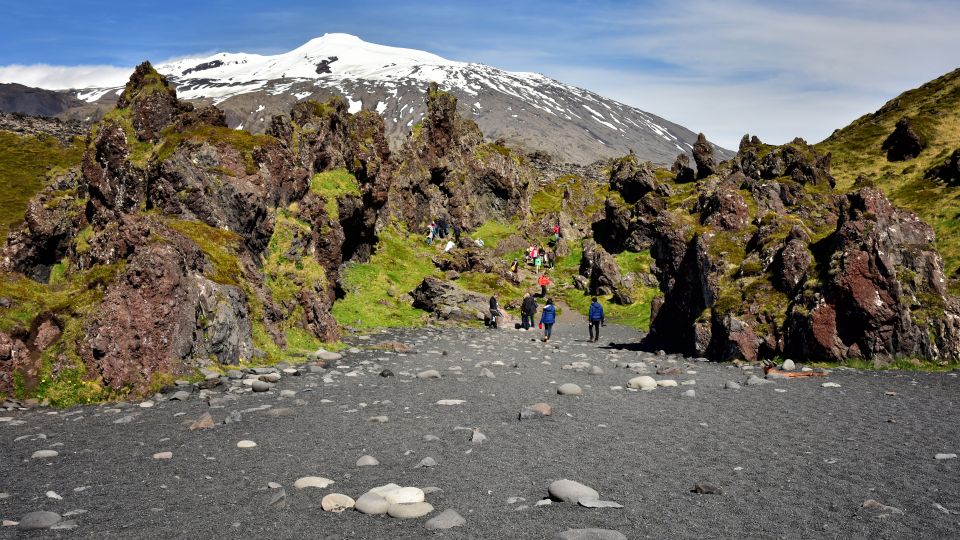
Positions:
{"x": 42, "y": 454}
{"x": 570, "y": 491}
{"x": 590, "y": 534}
{"x": 163, "y": 455}
{"x": 569, "y": 389}
{"x": 312, "y": 482}
{"x": 39, "y": 520}
{"x": 336, "y": 502}
{"x": 409, "y": 510}
{"x": 447, "y": 519}
{"x": 246, "y": 444}
{"x": 367, "y": 461}
{"x": 429, "y": 374}
{"x": 371, "y": 504}
{"x": 643, "y": 382}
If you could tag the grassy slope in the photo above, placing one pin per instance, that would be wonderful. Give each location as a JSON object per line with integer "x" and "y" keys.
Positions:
{"x": 25, "y": 163}
{"x": 376, "y": 290}
{"x": 856, "y": 151}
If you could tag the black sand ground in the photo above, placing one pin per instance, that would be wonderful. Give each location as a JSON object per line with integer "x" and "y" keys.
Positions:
{"x": 793, "y": 464}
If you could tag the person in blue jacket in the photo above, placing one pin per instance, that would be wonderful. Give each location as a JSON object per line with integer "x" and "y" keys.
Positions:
{"x": 547, "y": 318}
{"x": 595, "y": 318}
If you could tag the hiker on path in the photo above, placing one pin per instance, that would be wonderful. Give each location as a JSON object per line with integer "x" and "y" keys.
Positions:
{"x": 432, "y": 230}
{"x": 547, "y": 319}
{"x": 543, "y": 282}
{"x": 442, "y": 228}
{"x": 528, "y": 310}
{"x": 595, "y": 318}
{"x": 515, "y": 267}
{"x": 494, "y": 311}
{"x": 456, "y": 234}
{"x": 537, "y": 263}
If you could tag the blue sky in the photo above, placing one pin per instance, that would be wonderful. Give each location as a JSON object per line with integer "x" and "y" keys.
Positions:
{"x": 776, "y": 69}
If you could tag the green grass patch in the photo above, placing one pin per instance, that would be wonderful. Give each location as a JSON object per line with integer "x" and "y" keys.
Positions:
{"x": 241, "y": 140}
{"x": 331, "y": 185}
{"x": 492, "y": 232}
{"x": 26, "y": 162}
{"x": 637, "y": 262}
{"x": 897, "y": 364}
{"x": 376, "y": 291}
{"x": 62, "y": 378}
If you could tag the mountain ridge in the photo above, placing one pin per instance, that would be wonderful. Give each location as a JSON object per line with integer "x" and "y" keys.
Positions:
{"x": 517, "y": 107}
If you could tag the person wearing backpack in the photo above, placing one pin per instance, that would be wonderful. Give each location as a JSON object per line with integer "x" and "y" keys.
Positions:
{"x": 547, "y": 318}
{"x": 595, "y": 318}
{"x": 528, "y": 310}
{"x": 494, "y": 311}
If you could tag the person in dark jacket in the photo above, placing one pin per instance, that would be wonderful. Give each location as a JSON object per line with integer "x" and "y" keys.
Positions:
{"x": 547, "y": 318}
{"x": 528, "y": 310}
{"x": 595, "y": 318}
{"x": 494, "y": 311}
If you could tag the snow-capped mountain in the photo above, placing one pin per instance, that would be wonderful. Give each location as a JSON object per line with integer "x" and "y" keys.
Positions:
{"x": 528, "y": 110}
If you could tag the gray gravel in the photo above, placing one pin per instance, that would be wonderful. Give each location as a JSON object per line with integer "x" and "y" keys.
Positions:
{"x": 799, "y": 463}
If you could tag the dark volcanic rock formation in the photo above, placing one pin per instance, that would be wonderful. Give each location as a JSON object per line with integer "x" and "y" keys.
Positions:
{"x": 781, "y": 265}
{"x": 703, "y": 157}
{"x": 449, "y": 302}
{"x": 445, "y": 170}
{"x": 904, "y": 143}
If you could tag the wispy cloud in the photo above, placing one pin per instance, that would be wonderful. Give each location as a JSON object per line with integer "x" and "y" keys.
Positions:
{"x": 64, "y": 77}
{"x": 775, "y": 69}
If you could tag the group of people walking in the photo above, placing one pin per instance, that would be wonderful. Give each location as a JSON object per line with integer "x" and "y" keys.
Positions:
{"x": 539, "y": 257}
{"x": 441, "y": 229}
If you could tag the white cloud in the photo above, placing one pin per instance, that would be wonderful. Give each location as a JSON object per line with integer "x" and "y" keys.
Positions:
{"x": 775, "y": 71}
{"x": 65, "y": 77}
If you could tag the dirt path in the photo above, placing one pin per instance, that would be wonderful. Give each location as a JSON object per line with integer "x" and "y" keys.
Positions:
{"x": 794, "y": 459}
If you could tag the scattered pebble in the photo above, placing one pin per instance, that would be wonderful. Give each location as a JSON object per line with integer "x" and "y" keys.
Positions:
{"x": 367, "y": 461}
{"x": 336, "y": 502}
{"x": 447, "y": 519}
{"x": 569, "y": 389}
{"x": 163, "y": 455}
{"x": 318, "y": 482}
{"x": 39, "y": 520}
{"x": 246, "y": 444}
{"x": 941, "y": 457}
{"x": 571, "y": 491}
{"x": 43, "y": 454}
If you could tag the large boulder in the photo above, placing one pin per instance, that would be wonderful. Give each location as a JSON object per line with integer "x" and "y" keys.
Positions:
{"x": 905, "y": 142}
{"x": 632, "y": 178}
{"x": 703, "y": 157}
{"x": 451, "y": 303}
{"x": 603, "y": 274}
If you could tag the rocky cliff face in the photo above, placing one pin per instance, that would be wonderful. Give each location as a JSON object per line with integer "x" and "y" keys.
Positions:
{"x": 762, "y": 258}
{"x": 195, "y": 243}
{"x": 445, "y": 170}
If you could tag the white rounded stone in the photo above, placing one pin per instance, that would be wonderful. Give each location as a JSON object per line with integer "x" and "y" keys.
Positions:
{"x": 41, "y": 454}
{"x": 667, "y": 383}
{"x": 367, "y": 461}
{"x": 405, "y": 495}
{"x": 336, "y": 502}
{"x": 371, "y": 504}
{"x": 318, "y": 482}
{"x": 409, "y": 510}
{"x": 246, "y": 444}
{"x": 643, "y": 382}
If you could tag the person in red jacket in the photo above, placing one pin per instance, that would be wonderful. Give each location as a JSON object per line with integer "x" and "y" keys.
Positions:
{"x": 544, "y": 281}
